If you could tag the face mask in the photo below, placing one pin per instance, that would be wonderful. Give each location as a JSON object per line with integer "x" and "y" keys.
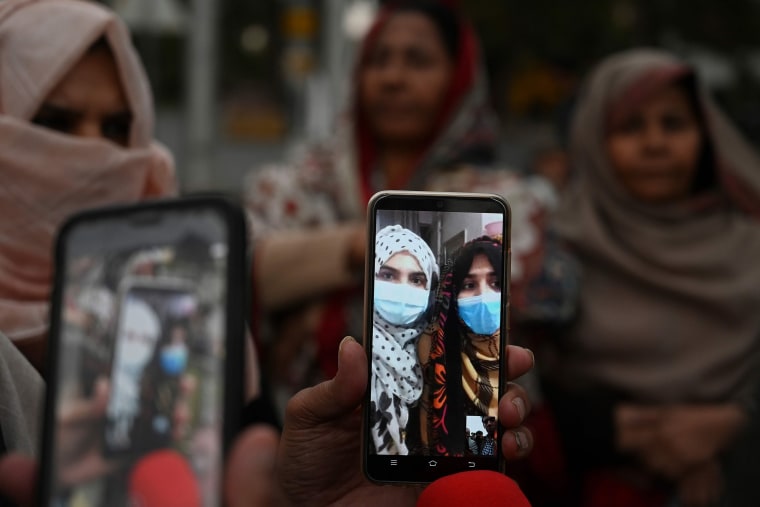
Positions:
{"x": 482, "y": 314}
{"x": 399, "y": 303}
{"x": 174, "y": 359}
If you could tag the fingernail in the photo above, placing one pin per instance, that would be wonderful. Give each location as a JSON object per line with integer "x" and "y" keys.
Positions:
{"x": 520, "y": 406}
{"x": 521, "y": 440}
{"x": 532, "y": 358}
{"x": 344, "y": 340}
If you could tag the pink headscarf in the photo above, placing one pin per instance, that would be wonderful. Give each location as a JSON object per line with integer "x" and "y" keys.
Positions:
{"x": 46, "y": 176}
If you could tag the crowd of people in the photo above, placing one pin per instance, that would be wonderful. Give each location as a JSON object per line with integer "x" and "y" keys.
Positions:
{"x": 635, "y": 282}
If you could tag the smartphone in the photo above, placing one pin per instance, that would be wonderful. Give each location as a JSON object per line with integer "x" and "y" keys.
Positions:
{"x": 145, "y": 357}
{"x": 436, "y": 325}
{"x": 152, "y": 342}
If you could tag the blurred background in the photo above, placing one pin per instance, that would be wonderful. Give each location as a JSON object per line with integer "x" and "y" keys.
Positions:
{"x": 241, "y": 83}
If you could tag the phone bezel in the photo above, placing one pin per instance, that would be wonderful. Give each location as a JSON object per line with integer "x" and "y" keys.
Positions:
{"x": 237, "y": 305}
{"x": 413, "y": 473}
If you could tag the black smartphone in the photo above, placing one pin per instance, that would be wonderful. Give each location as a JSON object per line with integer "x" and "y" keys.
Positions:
{"x": 145, "y": 357}
{"x": 436, "y": 316}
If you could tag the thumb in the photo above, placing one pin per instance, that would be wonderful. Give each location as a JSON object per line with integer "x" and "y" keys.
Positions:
{"x": 17, "y": 479}
{"x": 250, "y": 480}
{"x": 334, "y": 398}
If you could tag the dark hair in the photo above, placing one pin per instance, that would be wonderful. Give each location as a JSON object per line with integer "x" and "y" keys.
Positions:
{"x": 705, "y": 177}
{"x": 443, "y": 17}
{"x": 483, "y": 245}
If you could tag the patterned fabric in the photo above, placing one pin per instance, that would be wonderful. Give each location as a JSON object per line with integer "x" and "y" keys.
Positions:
{"x": 434, "y": 421}
{"x": 489, "y": 446}
{"x": 396, "y": 379}
{"x": 479, "y": 365}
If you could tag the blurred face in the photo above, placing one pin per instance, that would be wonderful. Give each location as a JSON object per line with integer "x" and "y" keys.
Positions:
{"x": 405, "y": 79}
{"x": 489, "y": 423}
{"x": 481, "y": 279}
{"x": 89, "y": 101}
{"x": 403, "y": 267}
{"x": 655, "y": 150}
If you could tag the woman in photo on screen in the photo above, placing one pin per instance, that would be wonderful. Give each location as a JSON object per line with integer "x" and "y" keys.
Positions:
{"x": 460, "y": 352}
{"x": 405, "y": 275}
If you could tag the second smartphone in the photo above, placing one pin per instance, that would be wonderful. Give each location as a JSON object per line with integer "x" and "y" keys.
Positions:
{"x": 145, "y": 354}
{"x": 436, "y": 313}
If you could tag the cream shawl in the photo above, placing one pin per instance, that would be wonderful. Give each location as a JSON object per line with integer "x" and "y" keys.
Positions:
{"x": 670, "y": 296}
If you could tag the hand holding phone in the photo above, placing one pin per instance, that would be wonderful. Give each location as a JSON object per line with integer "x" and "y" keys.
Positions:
{"x": 436, "y": 307}
{"x": 146, "y": 351}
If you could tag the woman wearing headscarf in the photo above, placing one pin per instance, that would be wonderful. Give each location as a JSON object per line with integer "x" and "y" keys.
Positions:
{"x": 418, "y": 119}
{"x": 405, "y": 271}
{"x": 657, "y": 372}
{"x": 76, "y": 126}
{"x": 460, "y": 354}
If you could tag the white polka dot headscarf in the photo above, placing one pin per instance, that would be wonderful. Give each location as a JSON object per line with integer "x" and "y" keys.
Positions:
{"x": 393, "y": 239}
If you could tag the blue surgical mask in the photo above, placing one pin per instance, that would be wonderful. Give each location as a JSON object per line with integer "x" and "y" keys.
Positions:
{"x": 482, "y": 313}
{"x": 400, "y": 303}
{"x": 174, "y": 359}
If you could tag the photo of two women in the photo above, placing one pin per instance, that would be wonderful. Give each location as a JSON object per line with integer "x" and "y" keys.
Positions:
{"x": 436, "y": 313}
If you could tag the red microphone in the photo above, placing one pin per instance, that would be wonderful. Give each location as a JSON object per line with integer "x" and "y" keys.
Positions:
{"x": 164, "y": 479}
{"x": 476, "y": 488}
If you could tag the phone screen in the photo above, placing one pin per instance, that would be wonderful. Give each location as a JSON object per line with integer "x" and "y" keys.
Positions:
{"x": 143, "y": 339}
{"x": 436, "y": 313}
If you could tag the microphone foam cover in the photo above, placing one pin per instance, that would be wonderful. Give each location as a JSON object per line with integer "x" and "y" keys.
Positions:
{"x": 163, "y": 479}
{"x": 477, "y": 488}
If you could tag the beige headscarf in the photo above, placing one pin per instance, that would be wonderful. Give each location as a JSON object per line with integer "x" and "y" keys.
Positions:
{"x": 46, "y": 176}
{"x": 670, "y": 301}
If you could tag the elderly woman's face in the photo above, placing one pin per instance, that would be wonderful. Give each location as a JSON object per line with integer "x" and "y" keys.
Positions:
{"x": 89, "y": 101}
{"x": 404, "y": 81}
{"x": 655, "y": 149}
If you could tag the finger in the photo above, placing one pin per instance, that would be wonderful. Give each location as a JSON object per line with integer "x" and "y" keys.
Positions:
{"x": 250, "y": 479}
{"x": 516, "y": 443}
{"x": 17, "y": 479}
{"x": 519, "y": 361}
{"x": 514, "y": 406}
{"x": 86, "y": 410}
{"x": 333, "y": 398}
